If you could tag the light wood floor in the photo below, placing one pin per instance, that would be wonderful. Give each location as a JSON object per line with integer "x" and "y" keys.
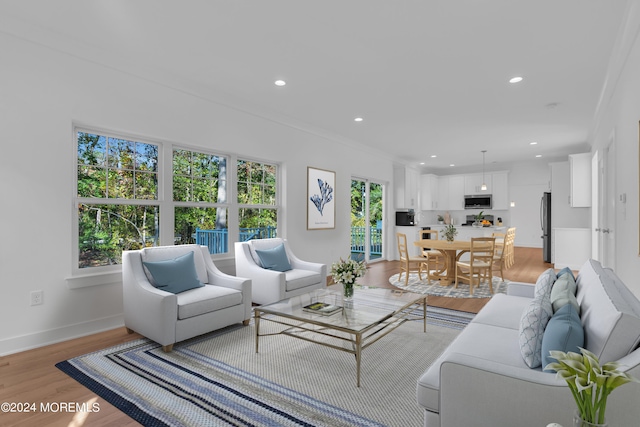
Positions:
{"x": 31, "y": 376}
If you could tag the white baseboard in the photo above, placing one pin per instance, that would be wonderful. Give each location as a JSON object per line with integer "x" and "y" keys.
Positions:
{"x": 53, "y": 336}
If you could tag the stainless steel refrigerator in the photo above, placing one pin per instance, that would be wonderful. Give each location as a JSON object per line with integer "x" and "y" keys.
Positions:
{"x": 545, "y": 224}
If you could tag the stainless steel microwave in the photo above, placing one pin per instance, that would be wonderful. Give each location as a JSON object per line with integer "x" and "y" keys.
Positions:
{"x": 477, "y": 201}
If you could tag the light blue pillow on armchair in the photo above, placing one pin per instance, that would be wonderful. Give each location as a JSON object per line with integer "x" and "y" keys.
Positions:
{"x": 564, "y": 332}
{"x": 174, "y": 275}
{"x": 275, "y": 258}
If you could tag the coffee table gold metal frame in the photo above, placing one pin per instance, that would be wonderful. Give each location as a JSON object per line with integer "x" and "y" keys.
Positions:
{"x": 372, "y": 314}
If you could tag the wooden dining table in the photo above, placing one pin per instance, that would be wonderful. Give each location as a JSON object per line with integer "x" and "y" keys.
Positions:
{"x": 452, "y": 252}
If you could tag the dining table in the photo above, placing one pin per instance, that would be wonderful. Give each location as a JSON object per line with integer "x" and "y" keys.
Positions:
{"x": 452, "y": 251}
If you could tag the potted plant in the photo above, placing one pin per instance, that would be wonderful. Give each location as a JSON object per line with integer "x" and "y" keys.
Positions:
{"x": 450, "y": 232}
{"x": 589, "y": 383}
{"x": 440, "y": 219}
{"x": 478, "y": 219}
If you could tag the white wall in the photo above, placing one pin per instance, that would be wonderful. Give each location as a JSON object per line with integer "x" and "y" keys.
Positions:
{"x": 42, "y": 93}
{"x": 620, "y": 115}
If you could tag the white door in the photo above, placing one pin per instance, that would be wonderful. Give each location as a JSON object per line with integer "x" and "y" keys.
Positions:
{"x": 610, "y": 207}
{"x": 603, "y": 207}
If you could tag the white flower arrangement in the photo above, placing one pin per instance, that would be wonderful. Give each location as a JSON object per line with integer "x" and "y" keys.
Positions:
{"x": 347, "y": 271}
{"x": 589, "y": 382}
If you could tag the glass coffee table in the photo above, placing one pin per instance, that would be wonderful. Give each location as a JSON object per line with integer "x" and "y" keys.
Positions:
{"x": 372, "y": 314}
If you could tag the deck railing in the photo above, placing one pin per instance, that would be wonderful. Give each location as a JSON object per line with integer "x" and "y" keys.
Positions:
{"x": 218, "y": 240}
{"x": 358, "y": 241}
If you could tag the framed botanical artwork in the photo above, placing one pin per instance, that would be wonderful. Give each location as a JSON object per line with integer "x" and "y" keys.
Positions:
{"x": 321, "y": 205}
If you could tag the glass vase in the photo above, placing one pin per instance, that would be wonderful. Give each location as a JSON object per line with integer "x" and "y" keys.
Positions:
{"x": 347, "y": 291}
{"x": 579, "y": 422}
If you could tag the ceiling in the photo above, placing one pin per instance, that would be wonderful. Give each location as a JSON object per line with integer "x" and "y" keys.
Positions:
{"x": 427, "y": 77}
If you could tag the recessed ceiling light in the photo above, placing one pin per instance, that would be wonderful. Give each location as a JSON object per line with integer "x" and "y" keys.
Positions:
{"x": 538, "y": 155}
{"x": 451, "y": 165}
{"x": 433, "y": 156}
{"x": 422, "y": 163}
{"x": 515, "y": 80}
{"x": 280, "y": 83}
{"x": 533, "y": 143}
{"x": 358, "y": 119}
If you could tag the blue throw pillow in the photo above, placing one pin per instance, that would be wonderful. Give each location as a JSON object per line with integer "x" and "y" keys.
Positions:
{"x": 564, "y": 332}
{"x": 274, "y": 258}
{"x": 174, "y": 275}
{"x": 564, "y": 271}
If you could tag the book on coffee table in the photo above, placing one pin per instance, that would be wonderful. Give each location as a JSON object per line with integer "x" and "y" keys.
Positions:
{"x": 322, "y": 308}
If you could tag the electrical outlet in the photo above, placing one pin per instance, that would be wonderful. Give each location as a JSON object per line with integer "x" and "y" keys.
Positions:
{"x": 36, "y": 297}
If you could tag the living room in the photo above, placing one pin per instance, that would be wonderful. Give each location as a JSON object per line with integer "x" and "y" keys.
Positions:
{"x": 46, "y": 90}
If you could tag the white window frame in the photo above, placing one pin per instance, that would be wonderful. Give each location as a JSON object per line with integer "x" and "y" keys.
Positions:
{"x": 92, "y": 276}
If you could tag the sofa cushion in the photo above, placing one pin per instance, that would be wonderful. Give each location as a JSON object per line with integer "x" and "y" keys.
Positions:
{"x": 564, "y": 332}
{"x": 534, "y": 320}
{"x": 544, "y": 283}
{"x": 274, "y": 258}
{"x": 478, "y": 340}
{"x": 174, "y": 275}
{"x": 502, "y": 310}
{"x": 564, "y": 292}
{"x": 206, "y": 299}
{"x": 298, "y": 278}
{"x": 610, "y": 313}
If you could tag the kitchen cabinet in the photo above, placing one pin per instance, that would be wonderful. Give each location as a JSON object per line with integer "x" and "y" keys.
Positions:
{"x": 500, "y": 191}
{"x": 473, "y": 184}
{"x": 443, "y": 193}
{"x": 429, "y": 192}
{"x": 406, "y": 187}
{"x": 580, "y": 180}
{"x": 456, "y": 193}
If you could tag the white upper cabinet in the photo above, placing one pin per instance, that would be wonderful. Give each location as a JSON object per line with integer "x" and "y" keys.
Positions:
{"x": 406, "y": 187}
{"x": 473, "y": 183}
{"x": 500, "y": 191}
{"x": 446, "y": 193}
{"x": 456, "y": 193}
{"x": 428, "y": 192}
{"x": 580, "y": 180}
{"x": 444, "y": 197}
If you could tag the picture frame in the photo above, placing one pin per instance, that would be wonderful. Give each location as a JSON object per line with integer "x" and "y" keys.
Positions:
{"x": 321, "y": 205}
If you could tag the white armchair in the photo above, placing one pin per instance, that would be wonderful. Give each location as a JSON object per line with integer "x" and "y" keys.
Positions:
{"x": 167, "y": 317}
{"x": 271, "y": 286}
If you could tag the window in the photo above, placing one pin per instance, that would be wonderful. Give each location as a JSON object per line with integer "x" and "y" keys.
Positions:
{"x": 126, "y": 200}
{"x": 257, "y": 200}
{"x": 117, "y": 197}
{"x": 200, "y": 193}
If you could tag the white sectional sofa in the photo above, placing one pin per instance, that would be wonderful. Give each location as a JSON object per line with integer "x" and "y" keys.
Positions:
{"x": 482, "y": 378}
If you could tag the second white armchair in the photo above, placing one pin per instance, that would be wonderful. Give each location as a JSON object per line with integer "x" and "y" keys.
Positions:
{"x": 279, "y": 274}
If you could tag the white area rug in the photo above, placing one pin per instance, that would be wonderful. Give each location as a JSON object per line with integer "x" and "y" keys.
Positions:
{"x": 433, "y": 287}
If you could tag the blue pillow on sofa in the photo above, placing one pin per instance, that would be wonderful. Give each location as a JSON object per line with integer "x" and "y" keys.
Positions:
{"x": 566, "y": 270}
{"x": 174, "y": 275}
{"x": 564, "y": 332}
{"x": 274, "y": 258}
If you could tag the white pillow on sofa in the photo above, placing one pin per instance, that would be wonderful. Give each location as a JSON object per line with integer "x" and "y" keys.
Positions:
{"x": 532, "y": 324}
{"x": 544, "y": 283}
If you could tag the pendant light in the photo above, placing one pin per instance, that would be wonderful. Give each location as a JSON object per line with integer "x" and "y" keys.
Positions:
{"x": 484, "y": 185}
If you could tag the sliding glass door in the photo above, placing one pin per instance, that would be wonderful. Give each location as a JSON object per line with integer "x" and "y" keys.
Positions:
{"x": 366, "y": 220}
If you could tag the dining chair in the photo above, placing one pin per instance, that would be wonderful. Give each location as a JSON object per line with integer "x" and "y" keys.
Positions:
{"x": 433, "y": 258}
{"x": 509, "y": 246}
{"x": 479, "y": 265}
{"x": 408, "y": 263}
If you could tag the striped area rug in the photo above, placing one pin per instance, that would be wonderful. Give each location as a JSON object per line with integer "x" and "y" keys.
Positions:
{"x": 218, "y": 379}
